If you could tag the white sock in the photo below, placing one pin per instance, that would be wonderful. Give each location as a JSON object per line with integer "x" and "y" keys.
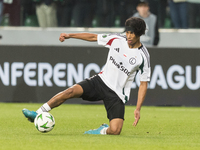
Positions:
{"x": 44, "y": 108}
{"x": 103, "y": 131}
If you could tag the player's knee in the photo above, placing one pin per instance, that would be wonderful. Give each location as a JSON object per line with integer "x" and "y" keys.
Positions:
{"x": 116, "y": 130}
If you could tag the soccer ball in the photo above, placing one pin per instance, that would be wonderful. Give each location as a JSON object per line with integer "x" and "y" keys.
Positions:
{"x": 44, "y": 122}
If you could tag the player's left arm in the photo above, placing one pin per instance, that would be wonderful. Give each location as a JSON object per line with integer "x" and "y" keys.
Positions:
{"x": 141, "y": 96}
{"x": 145, "y": 71}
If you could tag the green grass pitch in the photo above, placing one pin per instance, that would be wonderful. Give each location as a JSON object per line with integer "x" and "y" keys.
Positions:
{"x": 160, "y": 128}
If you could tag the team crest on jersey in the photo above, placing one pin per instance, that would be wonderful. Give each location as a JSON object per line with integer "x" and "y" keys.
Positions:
{"x": 104, "y": 36}
{"x": 132, "y": 60}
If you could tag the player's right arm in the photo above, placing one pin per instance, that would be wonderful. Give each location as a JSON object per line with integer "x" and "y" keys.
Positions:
{"x": 83, "y": 36}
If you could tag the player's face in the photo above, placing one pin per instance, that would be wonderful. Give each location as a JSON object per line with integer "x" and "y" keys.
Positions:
{"x": 132, "y": 39}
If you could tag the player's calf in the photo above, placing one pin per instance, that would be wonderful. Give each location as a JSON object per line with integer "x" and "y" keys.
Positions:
{"x": 115, "y": 126}
{"x": 114, "y": 130}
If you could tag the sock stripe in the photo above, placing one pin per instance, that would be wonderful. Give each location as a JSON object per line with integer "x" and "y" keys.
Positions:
{"x": 43, "y": 109}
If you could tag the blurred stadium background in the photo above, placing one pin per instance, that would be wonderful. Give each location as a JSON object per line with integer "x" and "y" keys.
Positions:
{"x": 34, "y": 65}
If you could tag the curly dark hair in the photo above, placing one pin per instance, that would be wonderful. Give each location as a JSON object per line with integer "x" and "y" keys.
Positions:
{"x": 137, "y": 25}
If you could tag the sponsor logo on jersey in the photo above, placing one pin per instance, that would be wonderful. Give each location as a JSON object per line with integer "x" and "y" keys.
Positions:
{"x": 120, "y": 66}
{"x": 104, "y": 36}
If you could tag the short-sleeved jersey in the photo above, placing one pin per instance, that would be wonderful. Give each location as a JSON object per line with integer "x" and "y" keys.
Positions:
{"x": 123, "y": 63}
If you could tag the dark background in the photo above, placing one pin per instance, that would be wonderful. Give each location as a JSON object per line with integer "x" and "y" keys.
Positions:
{"x": 165, "y": 57}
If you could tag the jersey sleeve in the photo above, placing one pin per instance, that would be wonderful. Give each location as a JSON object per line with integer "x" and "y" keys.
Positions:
{"x": 106, "y": 39}
{"x": 145, "y": 69}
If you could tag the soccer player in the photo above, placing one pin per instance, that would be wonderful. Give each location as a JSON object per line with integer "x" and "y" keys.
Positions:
{"x": 127, "y": 56}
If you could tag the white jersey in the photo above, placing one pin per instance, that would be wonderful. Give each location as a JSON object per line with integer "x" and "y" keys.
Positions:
{"x": 122, "y": 64}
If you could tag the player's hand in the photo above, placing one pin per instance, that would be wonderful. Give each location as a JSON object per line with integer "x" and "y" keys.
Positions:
{"x": 137, "y": 117}
{"x": 63, "y": 36}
